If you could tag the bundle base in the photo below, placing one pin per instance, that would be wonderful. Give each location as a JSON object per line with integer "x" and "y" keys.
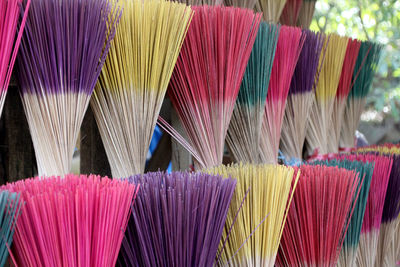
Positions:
{"x": 387, "y": 254}
{"x": 347, "y": 257}
{"x": 367, "y": 248}
{"x": 250, "y": 260}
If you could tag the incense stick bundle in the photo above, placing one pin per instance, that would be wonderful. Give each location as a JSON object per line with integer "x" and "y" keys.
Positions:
{"x": 300, "y": 97}
{"x": 271, "y": 10}
{"x": 386, "y": 148}
{"x": 353, "y": 46}
{"x": 10, "y": 38}
{"x": 306, "y": 13}
{"x": 257, "y": 213}
{"x": 368, "y": 244}
{"x": 177, "y": 219}
{"x": 60, "y": 60}
{"x": 10, "y": 207}
{"x": 290, "y": 12}
{"x": 71, "y": 221}
{"x": 208, "y": 73}
{"x": 366, "y": 66}
{"x": 386, "y": 253}
{"x": 320, "y": 117}
{"x": 243, "y": 137}
{"x": 202, "y": 2}
{"x": 318, "y": 216}
{"x": 289, "y": 46}
{"x": 348, "y": 253}
{"x": 250, "y": 4}
{"x": 397, "y": 242}
{"x": 132, "y": 85}
{"x": 387, "y": 248}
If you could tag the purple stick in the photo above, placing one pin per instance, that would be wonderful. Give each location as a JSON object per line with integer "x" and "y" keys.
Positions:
{"x": 65, "y": 44}
{"x": 177, "y": 219}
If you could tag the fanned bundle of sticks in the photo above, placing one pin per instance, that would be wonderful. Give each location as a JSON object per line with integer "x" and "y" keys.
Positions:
{"x": 134, "y": 80}
{"x": 58, "y": 68}
{"x": 240, "y": 84}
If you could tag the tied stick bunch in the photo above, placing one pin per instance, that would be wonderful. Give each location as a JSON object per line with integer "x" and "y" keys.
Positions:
{"x": 290, "y": 43}
{"x": 60, "y": 59}
{"x": 10, "y": 210}
{"x": 319, "y": 121}
{"x": 291, "y": 12}
{"x": 71, "y": 220}
{"x": 296, "y": 12}
{"x": 271, "y": 10}
{"x": 257, "y": 213}
{"x": 306, "y": 13}
{"x": 387, "y": 244}
{"x": 132, "y": 85}
{"x": 10, "y": 39}
{"x": 206, "y": 80}
{"x": 318, "y": 216}
{"x": 345, "y": 84}
{"x": 398, "y": 238}
{"x": 301, "y": 95}
{"x": 250, "y": 4}
{"x": 363, "y": 74}
{"x": 177, "y": 219}
{"x": 201, "y": 2}
{"x": 243, "y": 138}
{"x": 348, "y": 252}
{"x": 368, "y": 243}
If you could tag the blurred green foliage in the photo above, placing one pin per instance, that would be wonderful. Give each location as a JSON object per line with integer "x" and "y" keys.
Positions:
{"x": 373, "y": 20}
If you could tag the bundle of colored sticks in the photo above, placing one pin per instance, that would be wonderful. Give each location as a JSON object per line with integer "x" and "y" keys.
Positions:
{"x": 283, "y": 103}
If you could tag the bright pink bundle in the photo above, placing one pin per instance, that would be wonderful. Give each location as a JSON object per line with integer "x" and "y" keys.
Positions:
{"x": 290, "y": 43}
{"x": 71, "y": 221}
{"x": 318, "y": 217}
{"x": 10, "y": 12}
{"x": 207, "y": 76}
{"x": 368, "y": 246}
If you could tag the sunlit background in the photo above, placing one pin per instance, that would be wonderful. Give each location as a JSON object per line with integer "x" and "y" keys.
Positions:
{"x": 379, "y": 21}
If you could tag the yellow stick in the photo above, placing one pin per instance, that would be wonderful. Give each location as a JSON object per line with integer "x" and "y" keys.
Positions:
{"x": 135, "y": 77}
{"x": 270, "y": 189}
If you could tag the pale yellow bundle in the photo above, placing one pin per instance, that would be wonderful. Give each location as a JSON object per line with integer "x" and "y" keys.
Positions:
{"x": 270, "y": 189}
{"x": 320, "y": 118}
{"x": 134, "y": 79}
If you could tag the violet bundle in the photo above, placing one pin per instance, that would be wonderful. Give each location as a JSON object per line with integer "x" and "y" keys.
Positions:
{"x": 63, "y": 49}
{"x": 301, "y": 94}
{"x": 177, "y": 219}
{"x": 390, "y": 218}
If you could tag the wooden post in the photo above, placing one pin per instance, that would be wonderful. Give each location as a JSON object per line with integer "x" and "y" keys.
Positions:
{"x": 181, "y": 158}
{"x": 93, "y": 158}
{"x": 16, "y": 148}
